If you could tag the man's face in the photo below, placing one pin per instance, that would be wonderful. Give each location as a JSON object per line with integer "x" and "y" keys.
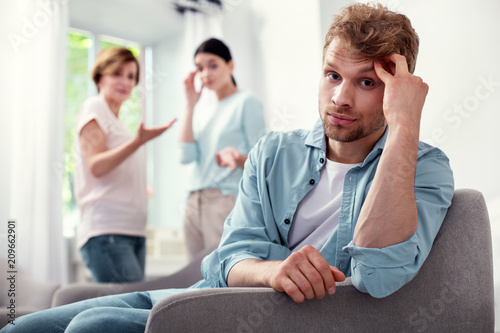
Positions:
{"x": 350, "y": 96}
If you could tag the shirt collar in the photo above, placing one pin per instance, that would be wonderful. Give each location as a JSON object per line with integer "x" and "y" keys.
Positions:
{"x": 379, "y": 146}
{"x": 316, "y": 138}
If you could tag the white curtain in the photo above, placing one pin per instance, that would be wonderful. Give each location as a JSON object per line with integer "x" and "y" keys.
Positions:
{"x": 199, "y": 26}
{"x": 32, "y": 127}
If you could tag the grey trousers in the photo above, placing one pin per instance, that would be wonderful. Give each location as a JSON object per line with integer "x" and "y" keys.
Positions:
{"x": 206, "y": 212}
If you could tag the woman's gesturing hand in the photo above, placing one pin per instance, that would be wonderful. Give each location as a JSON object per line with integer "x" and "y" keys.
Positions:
{"x": 144, "y": 134}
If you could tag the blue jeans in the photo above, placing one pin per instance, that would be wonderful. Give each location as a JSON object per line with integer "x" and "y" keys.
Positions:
{"x": 125, "y": 313}
{"x": 115, "y": 258}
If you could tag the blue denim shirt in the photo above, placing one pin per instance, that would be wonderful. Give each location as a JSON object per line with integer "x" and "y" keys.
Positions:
{"x": 279, "y": 172}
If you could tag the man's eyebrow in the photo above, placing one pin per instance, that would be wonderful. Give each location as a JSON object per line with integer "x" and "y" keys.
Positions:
{"x": 363, "y": 70}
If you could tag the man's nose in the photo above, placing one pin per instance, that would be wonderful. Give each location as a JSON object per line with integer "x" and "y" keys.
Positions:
{"x": 343, "y": 94}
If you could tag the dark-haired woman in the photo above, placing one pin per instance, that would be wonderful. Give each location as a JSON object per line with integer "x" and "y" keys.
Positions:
{"x": 219, "y": 147}
{"x": 110, "y": 176}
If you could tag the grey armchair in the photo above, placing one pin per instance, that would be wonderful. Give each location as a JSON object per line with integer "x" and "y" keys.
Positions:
{"x": 185, "y": 277}
{"x": 453, "y": 292}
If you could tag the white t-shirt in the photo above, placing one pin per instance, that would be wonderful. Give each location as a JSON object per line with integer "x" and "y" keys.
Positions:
{"x": 317, "y": 215}
{"x": 115, "y": 203}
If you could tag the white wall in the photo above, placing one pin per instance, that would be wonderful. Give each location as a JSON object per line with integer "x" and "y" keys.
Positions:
{"x": 275, "y": 45}
{"x": 459, "y": 53}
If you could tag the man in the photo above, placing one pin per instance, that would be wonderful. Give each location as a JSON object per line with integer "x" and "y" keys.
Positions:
{"x": 382, "y": 195}
{"x": 357, "y": 196}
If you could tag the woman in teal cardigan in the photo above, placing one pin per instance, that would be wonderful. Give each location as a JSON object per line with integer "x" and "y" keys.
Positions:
{"x": 218, "y": 147}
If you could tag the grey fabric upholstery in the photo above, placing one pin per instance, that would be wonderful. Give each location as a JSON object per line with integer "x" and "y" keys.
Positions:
{"x": 30, "y": 295}
{"x": 453, "y": 292}
{"x": 185, "y": 277}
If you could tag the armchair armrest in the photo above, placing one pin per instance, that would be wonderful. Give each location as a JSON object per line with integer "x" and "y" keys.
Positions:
{"x": 252, "y": 310}
{"x": 440, "y": 308}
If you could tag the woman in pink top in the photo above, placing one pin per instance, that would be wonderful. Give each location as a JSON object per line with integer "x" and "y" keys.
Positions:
{"x": 110, "y": 177}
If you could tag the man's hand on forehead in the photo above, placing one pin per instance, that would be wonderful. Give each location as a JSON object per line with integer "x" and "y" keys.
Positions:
{"x": 404, "y": 93}
{"x": 388, "y": 65}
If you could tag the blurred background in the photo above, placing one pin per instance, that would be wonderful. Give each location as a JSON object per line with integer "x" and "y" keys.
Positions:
{"x": 48, "y": 48}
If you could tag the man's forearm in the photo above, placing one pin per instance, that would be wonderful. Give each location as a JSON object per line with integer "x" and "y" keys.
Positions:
{"x": 389, "y": 213}
{"x": 251, "y": 273}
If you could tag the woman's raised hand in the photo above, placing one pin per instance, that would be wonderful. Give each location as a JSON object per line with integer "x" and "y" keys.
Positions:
{"x": 192, "y": 95}
{"x": 144, "y": 134}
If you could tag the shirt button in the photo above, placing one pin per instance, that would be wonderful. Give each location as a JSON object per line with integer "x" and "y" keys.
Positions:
{"x": 311, "y": 182}
{"x": 287, "y": 221}
{"x": 322, "y": 160}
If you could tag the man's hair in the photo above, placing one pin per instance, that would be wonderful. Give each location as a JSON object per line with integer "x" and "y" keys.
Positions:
{"x": 109, "y": 60}
{"x": 374, "y": 32}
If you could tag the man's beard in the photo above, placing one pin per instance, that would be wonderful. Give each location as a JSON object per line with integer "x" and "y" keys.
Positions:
{"x": 340, "y": 133}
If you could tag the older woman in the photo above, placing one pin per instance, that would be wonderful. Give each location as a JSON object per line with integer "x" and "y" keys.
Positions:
{"x": 110, "y": 179}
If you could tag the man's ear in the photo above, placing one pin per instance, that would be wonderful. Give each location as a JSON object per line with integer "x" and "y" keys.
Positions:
{"x": 230, "y": 63}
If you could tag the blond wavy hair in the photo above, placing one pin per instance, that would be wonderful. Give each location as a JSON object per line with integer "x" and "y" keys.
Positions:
{"x": 372, "y": 31}
{"x": 109, "y": 60}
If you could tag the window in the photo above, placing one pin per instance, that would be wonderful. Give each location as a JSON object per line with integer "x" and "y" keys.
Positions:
{"x": 83, "y": 47}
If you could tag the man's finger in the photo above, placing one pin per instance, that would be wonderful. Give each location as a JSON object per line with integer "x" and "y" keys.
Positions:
{"x": 292, "y": 290}
{"x": 380, "y": 71}
{"x": 323, "y": 269}
{"x": 303, "y": 285}
{"x": 317, "y": 270}
{"x": 337, "y": 274}
{"x": 399, "y": 61}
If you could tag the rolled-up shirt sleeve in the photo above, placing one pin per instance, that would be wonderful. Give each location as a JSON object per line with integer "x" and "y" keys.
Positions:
{"x": 380, "y": 272}
{"x": 188, "y": 152}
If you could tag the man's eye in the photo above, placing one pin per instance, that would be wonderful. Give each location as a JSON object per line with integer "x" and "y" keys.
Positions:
{"x": 334, "y": 76}
{"x": 366, "y": 83}
{"x": 213, "y": 66}
{"x": 117, "y": 73}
